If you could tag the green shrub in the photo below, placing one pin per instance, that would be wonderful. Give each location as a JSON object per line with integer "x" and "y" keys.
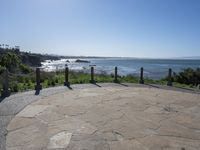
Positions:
{"x": 53, "y": 83}
{"x": 188, "y": 76}
{"x": 25, "y": 69}
{"x": 2, "y": 69}
{"x": 130, "y": 79}
{"x": 14, "y": 87}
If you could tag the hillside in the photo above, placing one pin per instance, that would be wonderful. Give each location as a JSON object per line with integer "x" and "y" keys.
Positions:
{"x": 31, "y": 59}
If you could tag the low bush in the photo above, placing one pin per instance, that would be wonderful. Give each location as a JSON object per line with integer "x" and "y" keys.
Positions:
{"x": 25, "y": 69}
{"x": 188, "y": 76}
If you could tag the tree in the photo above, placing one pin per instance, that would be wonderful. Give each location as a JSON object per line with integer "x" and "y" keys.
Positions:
{"x": 7, "y": 46}
{"x": 10, "y": 60}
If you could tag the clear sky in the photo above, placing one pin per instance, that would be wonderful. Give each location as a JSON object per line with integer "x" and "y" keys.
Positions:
{"x": 134, "y": 28}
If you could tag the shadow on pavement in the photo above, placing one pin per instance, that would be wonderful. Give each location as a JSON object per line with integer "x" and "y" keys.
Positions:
{"x": 1, "y": 99}
{"x": 37, "y": 92}
{"x": 96, "y": 84}
{"x": 69, "y": 87}
{"x": 152, "y": 85}
{"x": 122, "y": 84}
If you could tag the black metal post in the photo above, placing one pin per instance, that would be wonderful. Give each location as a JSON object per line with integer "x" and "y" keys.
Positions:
{"x": 141, "y": 81}
{"x": 6, "y": 91}
{"x": 66, "y": 83}
{"x": 115, "y": 80}
{"x": 38, "y": 86}
{"x": 169, "y": 83}
{"x": 92, "y": 75}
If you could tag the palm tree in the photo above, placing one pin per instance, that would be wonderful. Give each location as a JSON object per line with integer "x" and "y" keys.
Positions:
{"x": 17, "y": 47}
{"x": 7, "y": 46}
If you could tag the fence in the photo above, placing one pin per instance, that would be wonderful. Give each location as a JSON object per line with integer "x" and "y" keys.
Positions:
{"x": 6, "y": 75}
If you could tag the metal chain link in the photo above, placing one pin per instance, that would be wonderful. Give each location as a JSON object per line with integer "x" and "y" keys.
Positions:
{"x": 14, "y": 74}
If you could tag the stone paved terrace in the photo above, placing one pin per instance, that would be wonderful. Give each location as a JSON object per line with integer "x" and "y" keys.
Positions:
{"x": 110, "y": 117}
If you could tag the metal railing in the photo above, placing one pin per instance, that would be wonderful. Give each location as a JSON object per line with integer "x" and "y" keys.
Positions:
{"x": 38, "y": 86}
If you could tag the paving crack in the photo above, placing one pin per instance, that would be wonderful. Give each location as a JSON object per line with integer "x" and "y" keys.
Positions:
{"x": 176, "y": 136}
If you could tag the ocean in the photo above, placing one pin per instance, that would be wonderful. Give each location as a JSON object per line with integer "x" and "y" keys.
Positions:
{"x": 153, "y": 68}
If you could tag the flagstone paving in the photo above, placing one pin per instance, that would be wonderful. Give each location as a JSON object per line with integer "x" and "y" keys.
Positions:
{"x": 108, "y": 118}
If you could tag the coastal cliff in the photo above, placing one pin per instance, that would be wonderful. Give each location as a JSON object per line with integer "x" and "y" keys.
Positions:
{"x": 31, "y": 59}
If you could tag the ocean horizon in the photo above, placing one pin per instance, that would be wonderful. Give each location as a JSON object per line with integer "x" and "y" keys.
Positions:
{"x": 153, "y": 68}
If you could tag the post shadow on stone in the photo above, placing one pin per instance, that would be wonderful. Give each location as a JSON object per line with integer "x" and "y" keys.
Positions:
{"x": 67, "y": 83}
{"x": 122, "y": 84}
{"x": 38, "y": 86}
{"x": 37, "y": 92}
{"x": 141, "y": 81}
{"x": 96, "y": 84}
{"x": 1, "y": 99}
{"x": 150, "y": 85}
{"x": 169, "y": 82}
{"x": 6, "y": 91}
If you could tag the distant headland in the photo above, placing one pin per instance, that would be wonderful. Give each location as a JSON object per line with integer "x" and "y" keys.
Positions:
{"x": 35, "y": 59}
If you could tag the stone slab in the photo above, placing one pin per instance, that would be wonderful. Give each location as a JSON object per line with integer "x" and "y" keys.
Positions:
{"x": 60, "y": 140}
{"x": 32, "y": 110}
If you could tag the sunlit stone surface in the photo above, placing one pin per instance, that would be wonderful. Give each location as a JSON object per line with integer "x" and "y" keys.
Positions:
{"x": 109, "y": 118}
{"x": 60, "y": 140}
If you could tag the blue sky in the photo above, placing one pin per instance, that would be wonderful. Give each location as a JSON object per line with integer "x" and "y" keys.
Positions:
{"x": 133, "y": 28}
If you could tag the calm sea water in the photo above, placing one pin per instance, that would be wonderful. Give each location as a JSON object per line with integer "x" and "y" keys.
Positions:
{"x": 153, "y": 68}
